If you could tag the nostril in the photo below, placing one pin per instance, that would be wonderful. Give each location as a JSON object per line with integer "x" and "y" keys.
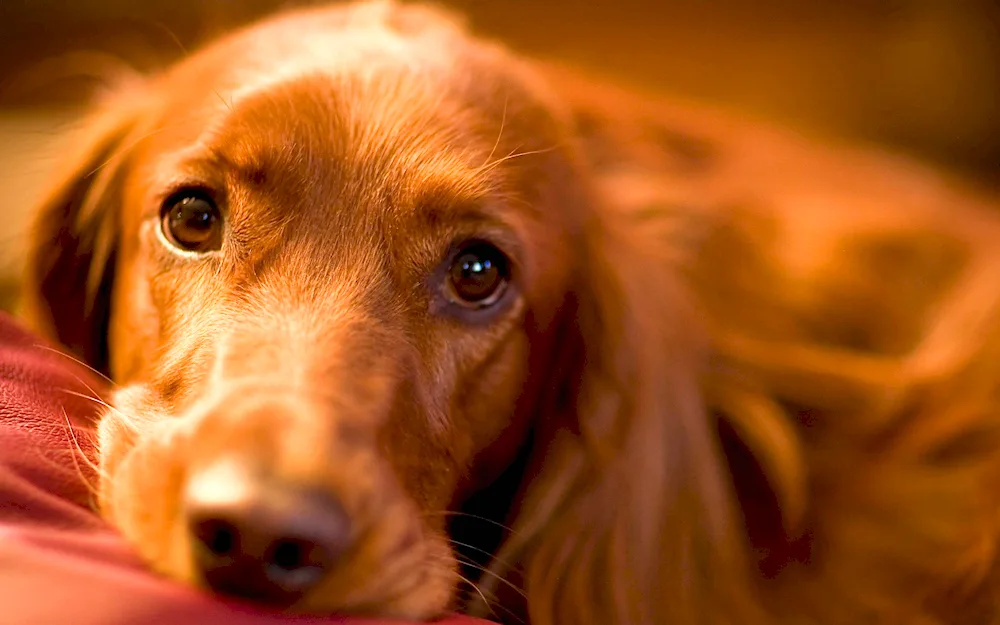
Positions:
{"x": 290, "y": 554}
{"x": 261, "y": 540}
{"x": 219, "y": 537}
{"x": 295, "y": 563}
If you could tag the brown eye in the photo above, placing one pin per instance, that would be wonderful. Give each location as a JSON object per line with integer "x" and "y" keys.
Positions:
{"x": 478, "y": 275}
{"x": 192, "y": 222}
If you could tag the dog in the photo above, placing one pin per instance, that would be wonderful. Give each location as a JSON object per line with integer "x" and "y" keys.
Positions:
{"x": 389, "y": 306}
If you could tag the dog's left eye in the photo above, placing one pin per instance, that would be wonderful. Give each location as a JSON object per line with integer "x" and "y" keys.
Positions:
{"x": 192, "y": 222}
{"x": 478, "y": 275}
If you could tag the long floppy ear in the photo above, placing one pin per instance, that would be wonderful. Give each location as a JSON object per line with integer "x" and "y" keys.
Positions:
{"x": 71, "y": 253}
{"x": 630, "y": 516}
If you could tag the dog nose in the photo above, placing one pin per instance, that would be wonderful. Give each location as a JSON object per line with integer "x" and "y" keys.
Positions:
{"x": 259, "y": 541}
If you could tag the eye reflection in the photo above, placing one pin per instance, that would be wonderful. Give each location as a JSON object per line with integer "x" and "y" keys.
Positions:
{"x": 478, "y": 274}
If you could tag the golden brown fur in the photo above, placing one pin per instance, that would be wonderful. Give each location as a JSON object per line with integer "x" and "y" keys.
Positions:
{"x": 754, "y": 378}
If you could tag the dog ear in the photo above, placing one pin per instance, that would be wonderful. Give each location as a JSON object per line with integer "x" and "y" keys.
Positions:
{"x": 630, "y": 516}
{"x": 628, "y": 513}
{"x": 71, "y": 250}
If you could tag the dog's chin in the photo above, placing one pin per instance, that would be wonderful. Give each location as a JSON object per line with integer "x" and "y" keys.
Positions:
{"x": 144, "y": 468}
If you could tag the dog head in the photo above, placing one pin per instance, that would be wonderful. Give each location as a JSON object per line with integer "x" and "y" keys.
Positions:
{"x": 344, "y": 266}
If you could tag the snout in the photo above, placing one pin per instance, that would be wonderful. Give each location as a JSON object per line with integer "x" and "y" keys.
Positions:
{"x": 262, "y": 540}
{"x": 275, "y": 504}
{"x": 279, "y": 497}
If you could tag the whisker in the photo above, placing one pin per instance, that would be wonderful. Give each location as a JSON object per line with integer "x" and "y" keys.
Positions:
{"x": 91, "y": 489}
{"x": 96, "y": 400}
{"x": 492, "y": 603}
{"x": 503, "y": 580}
{"x": 486, "y": 601}
{"x": 514, "y": 154}
{"x": 503, "y": 121}
{"x": 76, "y": 443}
{"x": 479, "y": 588}
{"x": 170, "y": 33}
{"x": 482, "y": 551}
{"x": 55, "y": 462}
{"x": 94, "y": 395}
{"x": 228, "y": 105}
{"x": 506, "y": 528}
{"x": 76, "y": 360}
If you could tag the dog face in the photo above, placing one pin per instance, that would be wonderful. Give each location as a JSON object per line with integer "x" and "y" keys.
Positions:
{"x": 339, "y": 240}
{"x": 351, "y": 269}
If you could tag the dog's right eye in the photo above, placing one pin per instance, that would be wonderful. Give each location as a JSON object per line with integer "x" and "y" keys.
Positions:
{"x": 191, "y": 221}
{"x": 478, "y": 275}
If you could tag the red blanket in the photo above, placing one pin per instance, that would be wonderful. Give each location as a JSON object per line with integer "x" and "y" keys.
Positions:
{"x": 59, "y": 563}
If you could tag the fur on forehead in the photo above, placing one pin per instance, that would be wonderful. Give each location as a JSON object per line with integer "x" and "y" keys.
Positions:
{"x": 375, "y": 74}
{"x": 362, "y": 38}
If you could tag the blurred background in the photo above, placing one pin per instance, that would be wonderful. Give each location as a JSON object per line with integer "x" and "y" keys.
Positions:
{"x": 918, "y": 76}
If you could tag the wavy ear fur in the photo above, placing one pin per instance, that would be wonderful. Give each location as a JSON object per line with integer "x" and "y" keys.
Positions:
{"x": 641, "y": 526}
{"x": 628, "y": 516}
{"x": 71, "y": 256}
{"x": 856, "y": 421}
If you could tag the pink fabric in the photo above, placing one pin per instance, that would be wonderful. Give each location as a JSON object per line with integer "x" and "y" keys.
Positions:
{"x": 59, "y": 563}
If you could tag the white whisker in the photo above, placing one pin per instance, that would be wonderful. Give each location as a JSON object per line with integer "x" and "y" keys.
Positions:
{"x": 76, "y": 360}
